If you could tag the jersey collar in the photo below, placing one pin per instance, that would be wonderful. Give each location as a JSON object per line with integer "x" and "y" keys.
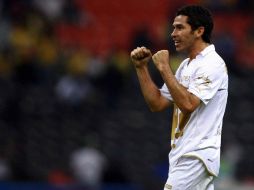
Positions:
{"x": 207, "y": 50}
{"x": 203, "y": 53}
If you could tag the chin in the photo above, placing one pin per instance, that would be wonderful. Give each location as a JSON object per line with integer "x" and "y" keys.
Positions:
{"x": 178, "y": 49}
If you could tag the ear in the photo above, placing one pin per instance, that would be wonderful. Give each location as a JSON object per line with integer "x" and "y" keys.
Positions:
{"x": 200, "y": 31}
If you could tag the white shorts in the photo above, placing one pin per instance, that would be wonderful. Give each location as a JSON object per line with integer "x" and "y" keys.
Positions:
{"x": 189, "y": 173}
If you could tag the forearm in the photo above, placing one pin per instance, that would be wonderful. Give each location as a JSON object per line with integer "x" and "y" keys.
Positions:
{"x": 150, "y": 91}
{"x": 140, "y": 58}
{"x": 181, "y": 96}
{"x": 186, "y": 101}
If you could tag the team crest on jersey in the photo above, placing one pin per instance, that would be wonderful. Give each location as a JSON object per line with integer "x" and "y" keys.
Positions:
{"x": 185, "y": 80}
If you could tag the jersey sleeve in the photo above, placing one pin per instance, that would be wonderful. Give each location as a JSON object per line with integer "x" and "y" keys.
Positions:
{"x": 206, "y": 81}
{"x": 165, "y": 92}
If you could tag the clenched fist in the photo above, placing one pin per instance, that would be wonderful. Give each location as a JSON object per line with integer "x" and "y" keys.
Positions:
{"x": 161, "y": 59}
{"x": 140, "y": 56}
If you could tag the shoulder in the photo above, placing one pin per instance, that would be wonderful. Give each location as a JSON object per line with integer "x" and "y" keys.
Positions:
{"x": 215, "y": 58}
{"x": 212, "y": 63}
{"x": 211, "y": 67}
{"x": 182, "y": 64}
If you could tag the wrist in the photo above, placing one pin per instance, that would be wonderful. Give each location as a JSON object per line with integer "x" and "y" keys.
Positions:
{"x": 165, "y": 69}
{"x": 140, "y": 66}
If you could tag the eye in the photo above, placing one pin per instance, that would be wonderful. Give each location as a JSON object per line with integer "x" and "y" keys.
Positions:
{"x": 178, "y": 27}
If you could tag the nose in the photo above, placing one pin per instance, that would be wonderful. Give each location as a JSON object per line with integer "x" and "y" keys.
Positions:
{"x": 173, "y": 34}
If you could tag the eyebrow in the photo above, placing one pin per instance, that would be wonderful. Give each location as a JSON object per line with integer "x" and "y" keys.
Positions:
{"x": 177, "y": 25}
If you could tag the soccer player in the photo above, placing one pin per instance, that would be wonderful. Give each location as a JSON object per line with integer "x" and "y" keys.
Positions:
{"x": 198, "y": 93}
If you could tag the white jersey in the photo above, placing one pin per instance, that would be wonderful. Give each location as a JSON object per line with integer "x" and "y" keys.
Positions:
{"x": 199, "y": 134}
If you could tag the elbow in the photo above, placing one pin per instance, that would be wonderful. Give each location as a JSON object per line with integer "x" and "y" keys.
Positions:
{"x": 189, "y": 106}
{"x": 158, "y": 105}
{"x": 187, "y": 109}
{"x": 155, "y": 108}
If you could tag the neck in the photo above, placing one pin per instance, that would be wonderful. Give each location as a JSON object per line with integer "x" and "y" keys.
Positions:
{"x": 197, "y": 48}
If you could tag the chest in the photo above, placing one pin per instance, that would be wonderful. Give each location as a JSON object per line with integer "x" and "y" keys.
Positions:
{"x": 185, "y": 75}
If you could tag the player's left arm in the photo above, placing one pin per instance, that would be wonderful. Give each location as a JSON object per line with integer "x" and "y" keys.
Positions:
{"x": 186, "y": 101}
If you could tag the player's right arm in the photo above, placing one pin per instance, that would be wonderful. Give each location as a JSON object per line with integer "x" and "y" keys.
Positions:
{"x": 140, "y": 58}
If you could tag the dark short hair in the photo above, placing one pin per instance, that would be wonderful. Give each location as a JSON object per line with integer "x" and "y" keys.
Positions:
{"x": 198, "y": 16}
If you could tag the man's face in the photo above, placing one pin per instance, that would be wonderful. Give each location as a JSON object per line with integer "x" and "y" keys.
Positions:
{"x": 183, "y": 36}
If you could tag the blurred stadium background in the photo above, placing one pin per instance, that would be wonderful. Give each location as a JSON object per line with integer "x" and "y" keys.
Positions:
{"x": 71, "y": 112}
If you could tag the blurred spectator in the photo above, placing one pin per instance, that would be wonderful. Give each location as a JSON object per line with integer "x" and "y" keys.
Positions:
{"x": 88, "y": 165}
{"x": 72, "y": 89}
{"x": 5, "y": 31}
{"x": 5, "y": 171}
{"x": 114, "y": 78}
{"x": 246, "y": 50}
{"x": 225, "y": 45}
{"x": 52, "y": 9}
{"x": 142, "y": 38}
{"x": 75, "y": 86}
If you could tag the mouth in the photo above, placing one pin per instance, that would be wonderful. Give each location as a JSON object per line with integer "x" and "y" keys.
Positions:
{"x": 177, "y": 42}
